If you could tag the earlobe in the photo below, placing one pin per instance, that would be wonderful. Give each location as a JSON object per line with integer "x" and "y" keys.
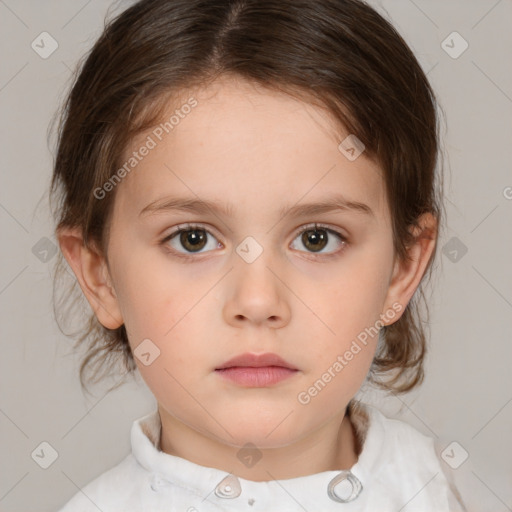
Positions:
{"x": 407, "y": 274}
{"x": 91, "y": 271}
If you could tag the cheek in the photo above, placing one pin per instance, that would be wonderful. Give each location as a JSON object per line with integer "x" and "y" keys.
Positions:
{"x": 166, "y": 307}
{"x": 152, "y": 295}
{"x": 347, "y": 303}
{"x": 175, "y": 341}
{"x": 352, "y": 293}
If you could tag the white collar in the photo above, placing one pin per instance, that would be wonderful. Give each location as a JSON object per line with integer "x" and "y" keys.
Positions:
{"x": 310, "y": 491}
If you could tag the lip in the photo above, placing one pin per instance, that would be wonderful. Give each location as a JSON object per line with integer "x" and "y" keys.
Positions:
{"x": 256, "y": 361}
{"x": 256, "y": 370}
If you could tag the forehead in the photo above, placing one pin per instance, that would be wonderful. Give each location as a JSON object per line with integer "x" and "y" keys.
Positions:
{"x": 243, "y": 144}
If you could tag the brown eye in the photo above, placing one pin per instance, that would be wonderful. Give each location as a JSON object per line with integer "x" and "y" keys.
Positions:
{"x": 193, "y": 240}
{"x": 315, "y": 239}
{"x": 320, "y": 240}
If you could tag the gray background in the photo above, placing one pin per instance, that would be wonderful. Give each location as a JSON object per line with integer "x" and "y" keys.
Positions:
{"x": 467, "y": 394}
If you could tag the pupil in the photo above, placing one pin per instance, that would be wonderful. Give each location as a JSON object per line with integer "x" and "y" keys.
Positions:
{"x": 315, "y": 240}
{"x": 193, "y": 239}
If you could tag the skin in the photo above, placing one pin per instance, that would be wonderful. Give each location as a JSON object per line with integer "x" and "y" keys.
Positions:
{"x": 260, "y": 151}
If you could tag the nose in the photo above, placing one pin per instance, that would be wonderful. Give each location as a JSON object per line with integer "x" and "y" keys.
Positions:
{"x": 257, "y": 294}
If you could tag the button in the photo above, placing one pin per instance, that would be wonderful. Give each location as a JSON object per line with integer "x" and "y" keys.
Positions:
{"x": 229, "y": 487}
{"x": 157, "y": 482}
{"x": 344, "y": 487}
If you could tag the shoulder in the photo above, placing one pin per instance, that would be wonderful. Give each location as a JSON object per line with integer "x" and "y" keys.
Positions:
{"x": 373, "y": 428}
{"x": 409, "y": 443}
{"x": 115, "y": 490}
{"x": 400, "y": 462}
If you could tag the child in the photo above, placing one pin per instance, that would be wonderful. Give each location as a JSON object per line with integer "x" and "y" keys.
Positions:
{"x": 248, "y": 198}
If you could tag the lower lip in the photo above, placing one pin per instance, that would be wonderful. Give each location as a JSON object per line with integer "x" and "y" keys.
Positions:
{"x": 256, "y": 377}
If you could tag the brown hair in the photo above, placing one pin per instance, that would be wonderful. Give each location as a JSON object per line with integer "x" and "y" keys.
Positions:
{"x": 338, "y": 54}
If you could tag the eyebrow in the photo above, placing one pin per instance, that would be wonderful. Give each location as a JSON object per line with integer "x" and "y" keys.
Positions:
{"x": 200, "y": 206}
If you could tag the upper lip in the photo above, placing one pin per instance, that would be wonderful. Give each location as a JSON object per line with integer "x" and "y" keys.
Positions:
{"x": 256, "y": 361}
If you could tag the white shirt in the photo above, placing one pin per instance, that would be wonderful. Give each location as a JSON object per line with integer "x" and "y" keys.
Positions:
{"x": 397, "y": 470}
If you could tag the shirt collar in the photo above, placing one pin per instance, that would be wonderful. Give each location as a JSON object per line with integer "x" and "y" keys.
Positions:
{"x": 311, "y": 491}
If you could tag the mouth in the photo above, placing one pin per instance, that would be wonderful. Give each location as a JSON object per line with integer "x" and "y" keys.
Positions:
{"x": 253, "y": 370}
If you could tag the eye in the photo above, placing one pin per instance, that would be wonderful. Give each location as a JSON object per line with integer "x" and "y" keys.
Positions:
{"x": 192, "y": 238}
{"x": 316, "y": 238}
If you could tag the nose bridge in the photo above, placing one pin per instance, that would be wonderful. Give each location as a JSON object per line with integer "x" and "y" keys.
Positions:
{"x": 256, "y": 292}
{"x": 253, "y": 260}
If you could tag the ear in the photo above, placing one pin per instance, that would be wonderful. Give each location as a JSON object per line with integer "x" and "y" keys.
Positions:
{"x": 91, "y": 270}
{"x": 407, "y": 275}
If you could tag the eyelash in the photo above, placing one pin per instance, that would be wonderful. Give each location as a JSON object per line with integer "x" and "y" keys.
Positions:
{"x": 309, "y": 227}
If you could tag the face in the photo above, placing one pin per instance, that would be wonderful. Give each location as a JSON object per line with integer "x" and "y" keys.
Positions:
{"x": 252, "y": 275}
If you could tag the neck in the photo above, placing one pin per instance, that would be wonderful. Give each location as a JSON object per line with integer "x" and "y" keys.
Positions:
{"x": 332, "y": 447}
